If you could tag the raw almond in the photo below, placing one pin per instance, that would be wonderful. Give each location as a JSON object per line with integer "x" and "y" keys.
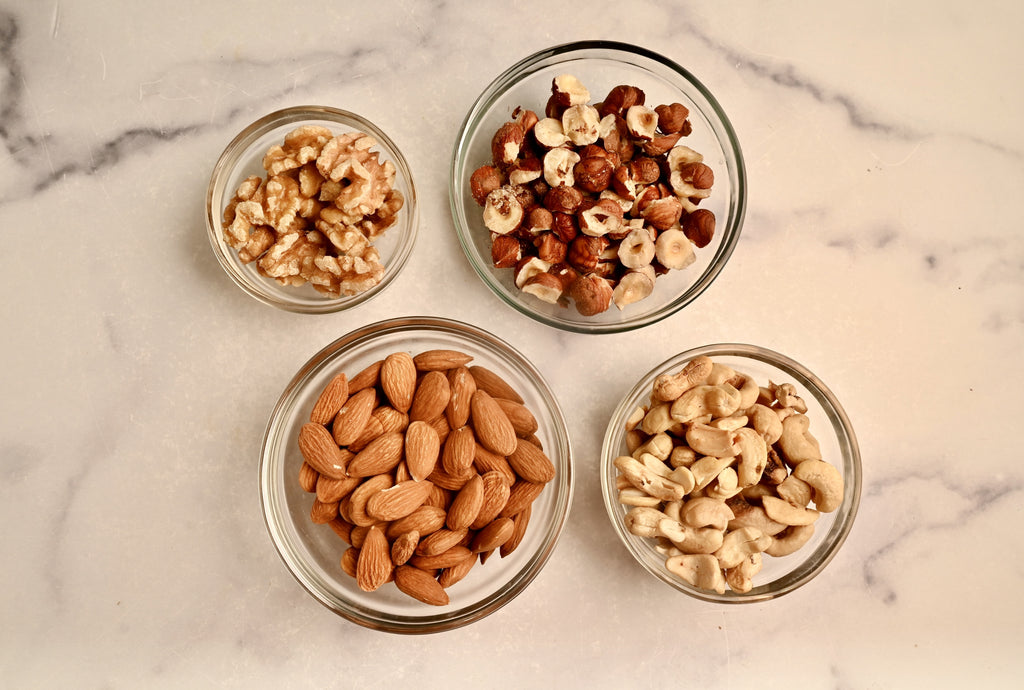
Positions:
{"x": 404, "y": 546}
{"x": 352, "y": 417}
{"x": 398, "y": 501}
{"x": 342, "y": 528}
{"x": 457, "y": 455}
{"x": 381, "y": 454}
{"x": 321, "y": 513}
{"x": 333, "y": 396}
{"x": 374, "y": 566}
{"x": 349, "y": 559}
{"x": 455, "y": 573}
{"x": 320, "y": 450}
{"x": 398, "y": 380}
{"x": 521, "y": 521}
{"x": 445, "y": 559}
{"x": 441, "y": 360}
{"x": 420, "y": 585}
{"x": 466, "y": 504}
{"x": 531, "y": 464}
{"x": 371, "y": 431}
{"x": 391, "y": 419}
{"x": 422, "y": 448}
{"x": 308, "y": 477}
{"x": 358, "y": 499}
{"x": 425, "y": 520}
{"x": 495, "y": 385}
{"x": 521, "y": 495}
{"x": 367, "y": 378}
{"x": 492, "y": 427}
{"x": 431, "y": 397}
{"x": 462, "y": 386}
{"x": 493, "y": 535}
{"x": 440, "y": 541}
{"x": 447, "y": 481}
{"x": 330, "y": 490}
{"x": 485, "y": 461}
{"x": 522, "y": 419}
{"x": 495, "y": 495}
{"x": 442, "y": 428}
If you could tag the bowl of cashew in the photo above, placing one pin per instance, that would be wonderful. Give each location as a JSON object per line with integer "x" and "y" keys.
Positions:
{"x": 731, "y": 473}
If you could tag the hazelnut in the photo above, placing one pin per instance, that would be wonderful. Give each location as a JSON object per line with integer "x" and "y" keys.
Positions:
{"x": 634, "y": 286}
{"x": 544, "y": 286}
{"x": 507, "y": 143}
{"x": 591, "y": 293}
{"x": 585, "y": 251}
{"x": 699, "y": 227}
{"x": 550, "y": 248}
{"x": 549, "y": 132}
{"x": 565, "y": 273}
{"x": 502, "y": 211}
{"x": 644, "y": 197}
{"x": 539, "y": 220}
{"x": 620, "y": 98}
{"x": 663, "y": 213}
{"x": 699, "y": 175}
{"x": 506, "y": 251}
{"x": 672, "y": 117}
{"x": 593, "y": 173}
{"x": 558, "y": 165}
{"x": 524, "y": 118}
{"x": 580, "y": 123}
{"x": 567, "y": 91}
{"x": 642, "y": 122}
{"x": 645, "y": 169}
{"x": 527, "y": 267}
{"x": 623, "y": 182}
{"x": 618, "y": 140}
{"x": 563, "y": 199}
{"x": 660, "y": 145}
{"x": 604, "y": 217}
{"x": 565, "y": 226}
{"x": 637, "y": 249}
{"x": 673, "y": 250}
{"x": 483, "y": 181}
{"x": 525, "y": 170}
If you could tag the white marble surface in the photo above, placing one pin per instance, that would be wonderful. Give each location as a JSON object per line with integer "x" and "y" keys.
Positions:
{"x": 882, "y": 248}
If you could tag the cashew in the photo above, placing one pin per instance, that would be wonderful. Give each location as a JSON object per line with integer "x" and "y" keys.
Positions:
{"x": 725, "y": 486}
{"x": 660, "y": 446}
{"x": 749, "y": 515}
{"x": 707, "y": 440}
{"x": 700, "y": 570}
{"x": 748, "y": 388}
{"x": 765, "y": 422}
{"x": 643, "y": 521}
{"x": 787, "y": 513}
{"x": 657, "y": 419}
{"x": 753, "y": 455}
{"x": 682, "y": 456}
{"x": 827, "y": 483}
{"x": 720, "y": 373}
{"x": 719, "y": 401}
{"x": 731, "y": 423}
{"x": 796, "y": 443}
{"x": 684, "y": 478}
{"x": 706, "y": 512}
{"x": 741, "y": 578}
{"x": 791, "y": 540}
{"x": 668, "y": 387}
{"x": 702, "y": 540}
{"x": 632, "y": 496}
{"x": 741, "y": 543}
{"x": 795, "y": 491}
{"x": 645, "y": 479}
{"x": 707, "y": 468}
{"x": 785, "y": 393}
{"x": 672, "y": 508}
{"x": 654, "y": 464}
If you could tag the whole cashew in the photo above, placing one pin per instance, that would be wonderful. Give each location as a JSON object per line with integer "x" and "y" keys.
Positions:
{"x": 750, "y": 515}
{"x": 741, "y": 543}
{"x": 753, "y": 456}
{"x": 796, "y": 443}
{"x": 659, "y": 445}
{"x": 643, "y": 478}
{"x": 700, "y": 570}
{"x": 787, "y": 513}
{"x": 719, "y": 401}
{"x": 643, "y": 521}
{"x": 725, "y": 486}
{"x": 670, "y": 386}
{"x": 741, "y": 578}
{"x": 707, "y": 468}
{"x": 795, "y": 491}
{"x": 791, "y": 540}
{"x": 827, "y": 483}
{"x": 706, "y": 512}
{"x": 707, "y": 440}
{"x": 765, "y": 422}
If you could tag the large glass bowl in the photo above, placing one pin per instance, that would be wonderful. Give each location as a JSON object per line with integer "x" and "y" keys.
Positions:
{"x": 829, "y": 424}
{"x": 312, "y": 552}
{"x": 600, "y": 65}
{"x": 243, "y": 157}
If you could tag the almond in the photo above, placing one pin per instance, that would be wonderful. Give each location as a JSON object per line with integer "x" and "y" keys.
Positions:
{"x": 367, "y": 378}
{"x": 455, "y": 573}
{"x": 457, "y": 455}
{"x": 420, "y": 585}
{"x": 521, "y": 495}
{"x": 530, "y": 463}
{"x": 308, "y": 477}
{"x": 496, "y": 533}
{"x": 440, "y": 541}
{"x": 398, "y": 501}
{"x": 391, "y": 419}
{"x": 321, "y": 513}
{"x": 320, "y": 450}
{"x": 466, "y": 504}
{"x": 462, "y": 386}
{"x": 492, "y": 383}
{"x": 330, "y": 490}
{"x": 342, "y": 528}
{"x": 522, "y": 520}
{"x": 441, "y": 360}
{"x": 440, "y": 497}
{"x": 404, "y": 546}
{"x": 349, "y": 559}
{"x": 330, "y": 401}
{"x": 431, "y": 397}
{"x": 495, "y": 495}
{"x": 522, "y": 419}
{"x": 486, "y": 461}
{"x": 447, "y": 481}
{"x": 374, "y": 566}
{"x": 422, "y": 448}
{"x": 382, "y": 454}
{"x": 358, "y": 499}
{"x": 372, "y": 430}
{"x": 398, "y": 380}
{"x": 445, "y": 559}
{"x": 490, "y": 424}
{"x": 353, "y": 415}
{"x": 426, "y": 520}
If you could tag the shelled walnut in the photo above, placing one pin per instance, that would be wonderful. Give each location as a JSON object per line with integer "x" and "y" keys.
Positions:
{"x": 612, "y": 173}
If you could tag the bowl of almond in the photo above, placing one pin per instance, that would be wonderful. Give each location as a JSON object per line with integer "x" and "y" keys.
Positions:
{"x": 731, "y": 473}
{"x": 312, "y": 209}
{"x": 416, "y": 475}
{"x": 597, "y": 187}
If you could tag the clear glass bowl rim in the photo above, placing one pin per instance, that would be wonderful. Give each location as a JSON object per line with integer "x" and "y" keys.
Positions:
{"x": 840, "y": 424}
{"x": 637, "y": 56}
{"x": 217, "y": 194}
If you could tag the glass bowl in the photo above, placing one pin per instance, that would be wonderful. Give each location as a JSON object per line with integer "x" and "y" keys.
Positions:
{"x": 312, "y": 552}
{"x": 600, "y": 65}
{"x": 828, "y": 424}
{"x": 243, "y": 157}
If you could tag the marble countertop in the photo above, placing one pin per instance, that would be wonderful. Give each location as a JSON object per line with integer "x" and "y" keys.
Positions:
{"x": 882, "y": 248}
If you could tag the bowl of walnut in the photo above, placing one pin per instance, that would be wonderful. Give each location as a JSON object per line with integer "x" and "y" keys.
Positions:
{"x": 416, "y": 475}
{"x": 731, "y": 473}
{"x": 597, "y": 187}
{"x": 312, "y": 209}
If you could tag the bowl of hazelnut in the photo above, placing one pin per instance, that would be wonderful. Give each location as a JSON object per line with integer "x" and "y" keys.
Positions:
{"x": 597, "y": 187}
{"x": 731, "y": 473}
{"x": 312, "y": 209}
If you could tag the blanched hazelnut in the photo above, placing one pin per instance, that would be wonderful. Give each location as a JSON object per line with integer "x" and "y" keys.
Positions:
{"x": 502, "y": 211}
{"x": 642, "y": 122}
{"x": 549, "y": 133}
{"x": 568, "y": 91}
{"x": 558, "y": 167}
{"x": 580, "y": 123}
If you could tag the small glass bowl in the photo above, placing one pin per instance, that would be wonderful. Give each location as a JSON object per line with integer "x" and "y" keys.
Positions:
{"x": 600, "y": 65}
{"x": 312, "y": 552}
{"x": 829, "y": 425}
{"x": 243, "y": 157}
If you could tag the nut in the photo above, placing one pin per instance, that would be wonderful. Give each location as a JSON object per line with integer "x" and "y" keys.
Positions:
{"x": 558, "y": 167}
{"x": 507, "y": 143}
{"x": 672, "y": 117}
{"x": 642, "y": 122}
{"x": 483, "y": 181}
{"x": 549, "y": 133}
{"x": 593, "y": 173}
{"x": 544, "y": 286}
{"x": 603, "y": 218}
{"x": 663, "y": 213}
{"x": 503, "y": 212}
{"x": 580, "y": 124}
{"x": 673, "y": 250}
{"x": 637, "y": 249}
{"x": 621, "y": 98}
{"x": 591, "y": 294}
{"x": 568, "y": 91}
{"x": 563, "y": 199}
{"x": 699, "y": 227}
{"x": 506, "y": 251}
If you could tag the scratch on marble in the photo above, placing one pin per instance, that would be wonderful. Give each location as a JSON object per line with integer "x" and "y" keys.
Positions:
{"x": 55, "y": 21}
